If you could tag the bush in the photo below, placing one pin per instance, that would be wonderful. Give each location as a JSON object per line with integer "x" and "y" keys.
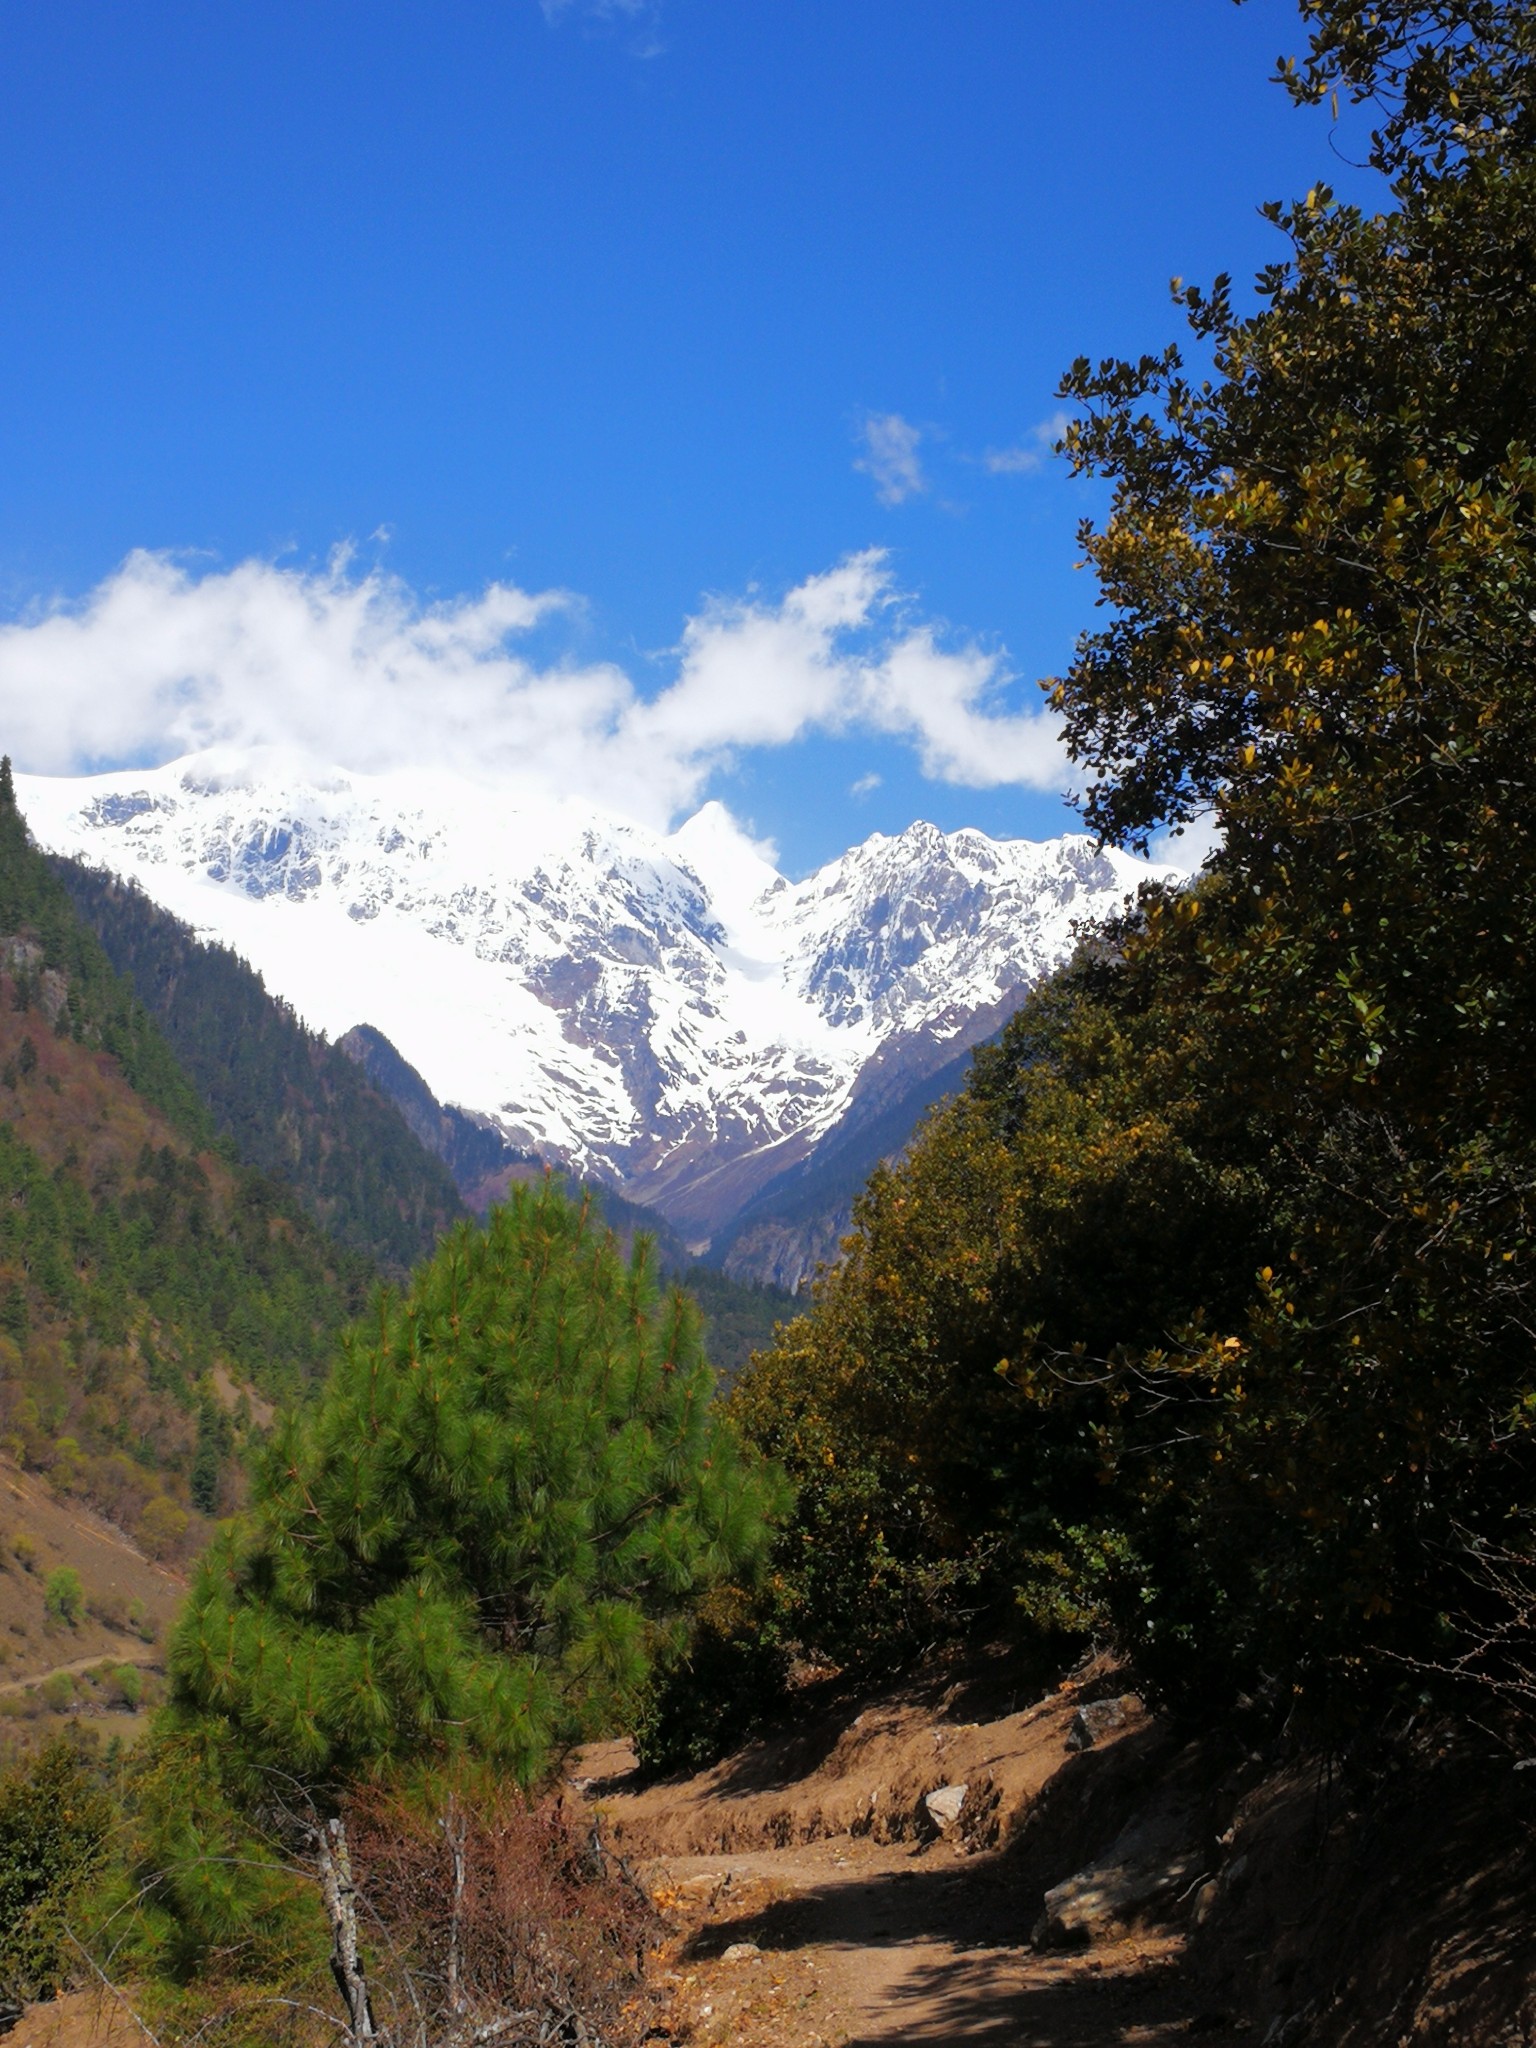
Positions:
{"x": 198, "y": 1903}
{"x": 711, "y": 1699}
{"x": 54, "y": 1821}
{"x": 64, "y": 1596}
{"x": 127, "y": 1682}
{"x": 58, "y": 1691}
{"x": 162, "y": 1528}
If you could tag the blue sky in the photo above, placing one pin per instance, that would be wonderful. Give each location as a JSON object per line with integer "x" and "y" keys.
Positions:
{"x": 654, "y": 304}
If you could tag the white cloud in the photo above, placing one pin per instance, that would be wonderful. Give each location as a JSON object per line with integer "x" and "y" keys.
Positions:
{"x": 890, "y": 457}
{"x": 1032, "y": 451}
{"x": 349, "y": 670}
{"x": 598, "y": 10}
{"x": 1188, "y": 847}
{"x": 866, "y": 784}
{"x": 642, "y": 16}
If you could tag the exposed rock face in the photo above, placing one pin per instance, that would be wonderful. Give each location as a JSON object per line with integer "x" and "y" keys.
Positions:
{"x": 779, "y": 1253}
{"x": 1155, "y": 1860}
{"x": 666, "y": 1014}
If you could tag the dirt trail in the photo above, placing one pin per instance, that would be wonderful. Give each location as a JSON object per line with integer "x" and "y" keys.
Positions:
{"x": 862, "y": 1945}
{"x": 118, "y": 1650}
{"x": 1142, "y": 1887}
{"x": 1108, "y": 1880}
{"x": 820, "y": 1907}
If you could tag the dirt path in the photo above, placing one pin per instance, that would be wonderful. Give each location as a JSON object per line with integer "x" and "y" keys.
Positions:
{"x": 859, "y": 1945}
{"x": 120, "y": 1651}
{"x": 818, "y": 1905}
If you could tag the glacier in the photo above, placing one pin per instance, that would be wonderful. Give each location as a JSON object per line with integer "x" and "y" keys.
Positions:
{"x": 666, "y": 1013}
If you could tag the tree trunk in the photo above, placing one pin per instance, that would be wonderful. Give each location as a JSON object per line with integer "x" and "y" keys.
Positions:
{"x": 340, "y": 1896}
{"x": 454, "y": 1832}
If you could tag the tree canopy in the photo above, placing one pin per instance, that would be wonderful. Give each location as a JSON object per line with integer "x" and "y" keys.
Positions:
{"x": 490, "y": 1525}
{"x": 1210, "y": 1305}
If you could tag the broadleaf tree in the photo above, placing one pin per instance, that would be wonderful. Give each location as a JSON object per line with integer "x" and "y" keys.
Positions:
{"x": 1319, "y": 574}
{"x": 1299, "y": 1455}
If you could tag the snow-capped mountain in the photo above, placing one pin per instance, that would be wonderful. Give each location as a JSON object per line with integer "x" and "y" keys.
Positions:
{"x": 668, "y": 1014}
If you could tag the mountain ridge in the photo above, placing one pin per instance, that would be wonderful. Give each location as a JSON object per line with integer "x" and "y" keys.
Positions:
{"x": 664, "y": 1013}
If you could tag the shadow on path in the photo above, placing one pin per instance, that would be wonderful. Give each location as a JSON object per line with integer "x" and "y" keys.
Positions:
{"x": 956, "y": 1969}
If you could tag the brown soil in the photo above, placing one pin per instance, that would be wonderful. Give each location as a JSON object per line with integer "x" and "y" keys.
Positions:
{"x": 116, "y": 1578}
{"x": 1299, "y": 1907}
{"x": 80, "y": 2019}
{"x": 813, "y": 1904}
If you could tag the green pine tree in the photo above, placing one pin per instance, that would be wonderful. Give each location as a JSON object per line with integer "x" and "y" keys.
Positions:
{"x": 490, "y": 1527}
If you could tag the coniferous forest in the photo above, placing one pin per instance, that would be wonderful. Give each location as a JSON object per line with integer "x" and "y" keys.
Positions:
{"x": 154, "y": 1287}
{"x": 292, "y": 1106}
{"x": 1196, "y": 1333}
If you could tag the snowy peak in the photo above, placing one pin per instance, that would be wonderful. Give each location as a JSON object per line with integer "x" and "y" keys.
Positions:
{"x": 899, "y": 927}
{"x": 666, "y": 1012}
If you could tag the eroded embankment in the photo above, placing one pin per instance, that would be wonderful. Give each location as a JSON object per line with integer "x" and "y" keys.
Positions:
{"x": 833, "y": 1886}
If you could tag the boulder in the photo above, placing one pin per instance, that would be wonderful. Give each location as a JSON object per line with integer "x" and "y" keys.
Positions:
{"x": 943, "y": 1806}
{"x": 1153, "y": 1862}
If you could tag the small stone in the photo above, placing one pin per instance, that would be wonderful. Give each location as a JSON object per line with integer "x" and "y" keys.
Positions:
{"x": 741, "y": 1952}
{"x": 944, "y": 1805}
{"x": 1095, "y": 1720}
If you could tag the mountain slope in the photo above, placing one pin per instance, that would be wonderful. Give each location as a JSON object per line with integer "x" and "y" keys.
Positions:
{"x": 474, "y": 1150}
{"x": 665, "y": 1014}
{"x": 293, "y": 1105}
{"x": 150, "y": 1291}
{"x": 799, "y": 1220}
{"x": 740, "y": 1311}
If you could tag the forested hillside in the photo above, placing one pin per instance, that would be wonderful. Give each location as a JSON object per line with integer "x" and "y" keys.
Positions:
{"x": 293, "y": 1105}
{"x": 1203, "y": 1319}
{"x": 150, "y": 1290}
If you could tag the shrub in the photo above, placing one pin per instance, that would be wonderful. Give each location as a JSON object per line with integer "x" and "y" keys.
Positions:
{"x": 732, "y": 1675}
{"x": 491, "y": 1905}
{"x": 127, "y": 1682}
{"x": 64, "y": 1596}
{"x": 162, "y": 1528}
{"x": 58, "y": 1691}
{"x": 54, "y": 1820}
